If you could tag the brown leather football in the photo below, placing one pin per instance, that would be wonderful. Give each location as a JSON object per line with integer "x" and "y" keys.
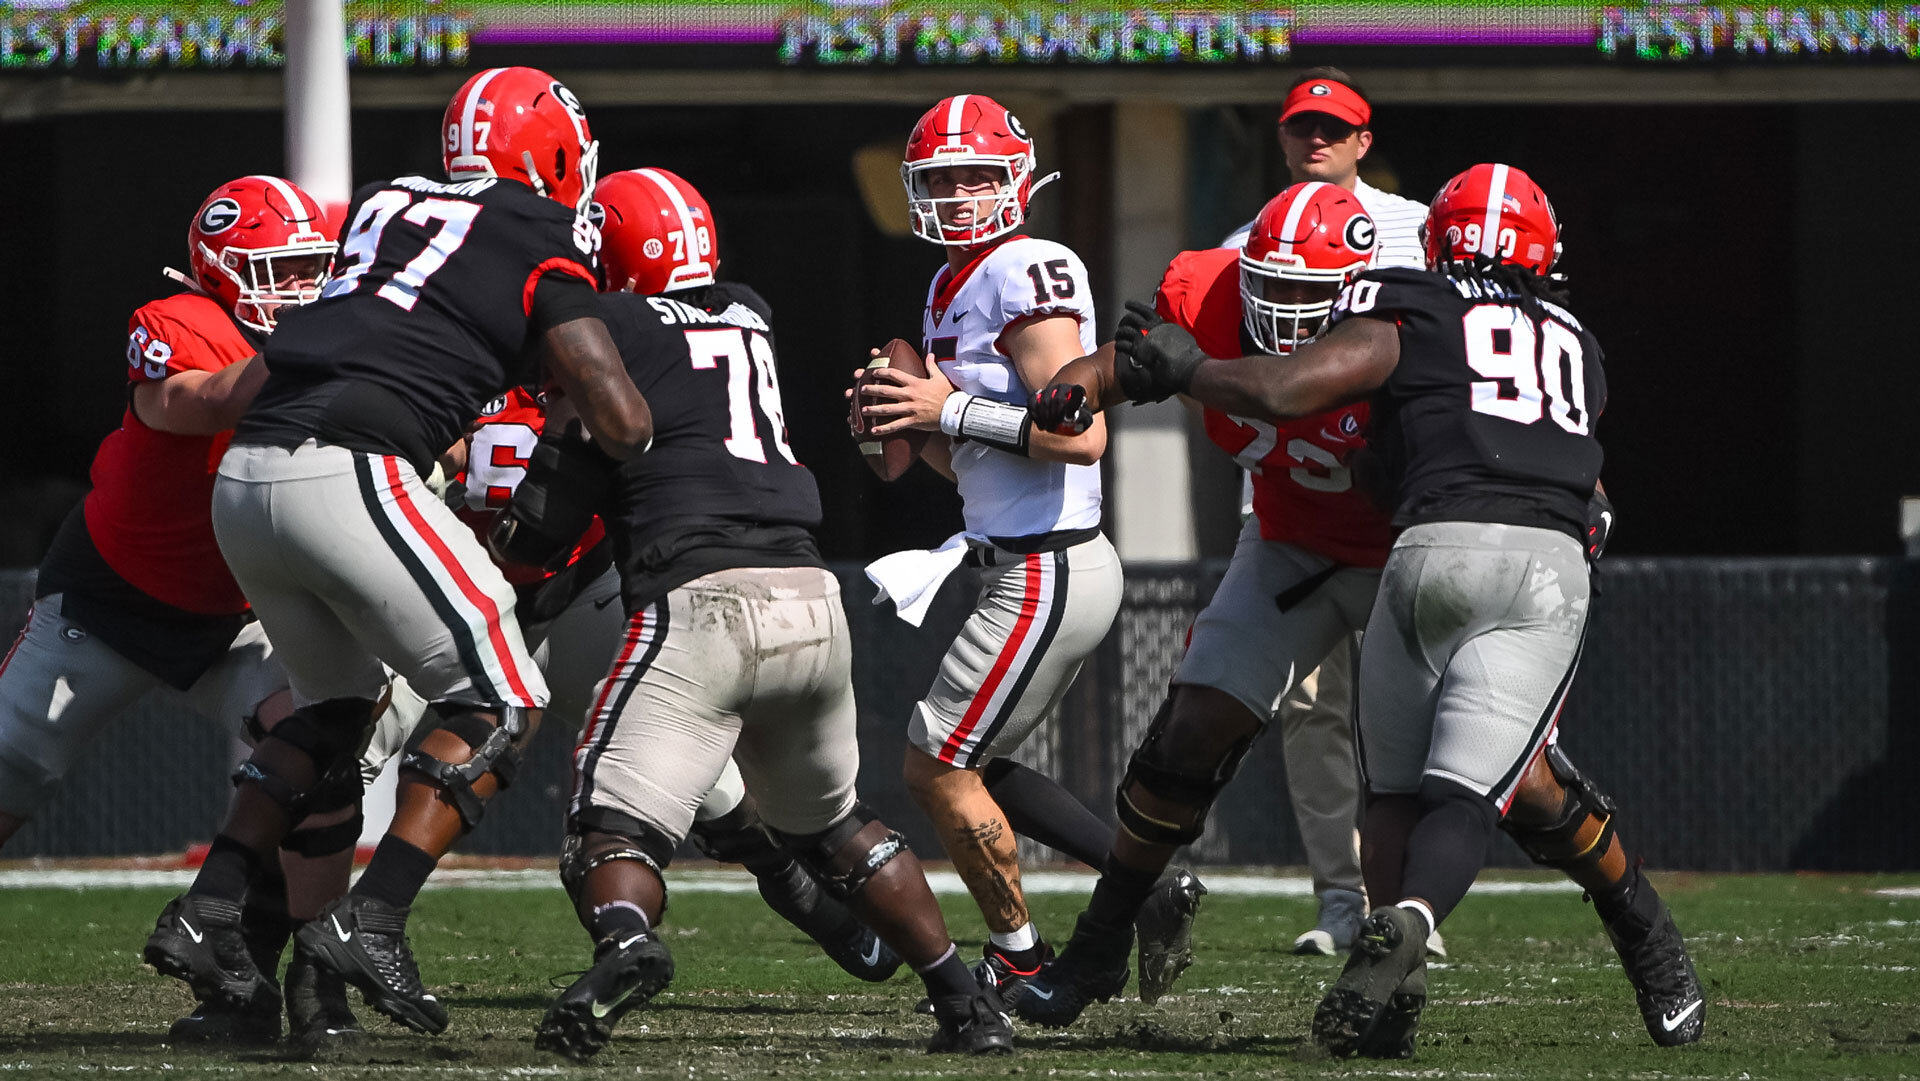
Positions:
{"x": 889, "y": 456}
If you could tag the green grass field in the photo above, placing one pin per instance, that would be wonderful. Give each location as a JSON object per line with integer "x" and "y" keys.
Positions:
{"x": 1808, "y": 977}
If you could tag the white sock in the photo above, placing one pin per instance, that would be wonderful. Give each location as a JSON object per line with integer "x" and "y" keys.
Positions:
{"x": 1025, "y": 937}
{"x": 1425, "y": 914}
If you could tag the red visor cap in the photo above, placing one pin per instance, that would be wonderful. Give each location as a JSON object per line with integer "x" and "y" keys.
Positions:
{"x": 1327, "y": 96}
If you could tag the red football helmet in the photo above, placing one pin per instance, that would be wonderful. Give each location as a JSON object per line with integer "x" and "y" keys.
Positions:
{"x": 1496, "y": 211}
{"x": 969, "y": 129}
{"x": 656, "y": 232}
{"x": 521, "y": 123}
{"x": 1305, "y": 246}
{"x": 258, "y": 244}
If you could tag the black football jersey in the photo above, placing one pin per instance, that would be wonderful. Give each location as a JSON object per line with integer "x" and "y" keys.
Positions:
{"x": 1490, "y": 414}
{"x": 426, "y": 317}
{"x": 720, "y": 487}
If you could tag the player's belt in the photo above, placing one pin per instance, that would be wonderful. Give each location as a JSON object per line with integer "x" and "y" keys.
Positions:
{"x": 995, "y": 551}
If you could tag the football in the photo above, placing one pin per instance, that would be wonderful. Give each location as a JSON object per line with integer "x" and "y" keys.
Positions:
{"x": 889, "y": 456}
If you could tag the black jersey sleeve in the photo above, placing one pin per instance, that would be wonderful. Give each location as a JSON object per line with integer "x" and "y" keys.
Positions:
{"x": 1395, "y": 293}
{"x": 560, "y": 298}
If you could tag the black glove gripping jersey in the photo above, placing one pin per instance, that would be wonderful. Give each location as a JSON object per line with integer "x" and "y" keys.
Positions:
{"x": 720, "y": 487}
{"x": 430, "y": 312}
{"x": 1490, "y": 414}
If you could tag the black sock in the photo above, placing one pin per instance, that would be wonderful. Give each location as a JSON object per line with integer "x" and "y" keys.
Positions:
{"x": 396, "y": 873}
{"x": 621, "y": 918}
{"x": 1118, "y": 895}
{"x": 264, "y": 922}
{"x": 1630, "y": 908}
{"x": 228, "y": 871}
{"x": 949, "y": 976}
{"x": 1448, "y": 846}
{"x": 1037, "y": 807}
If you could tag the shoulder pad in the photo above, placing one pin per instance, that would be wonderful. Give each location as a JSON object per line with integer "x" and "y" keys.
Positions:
{"x": 1395, "y": 290}
{"x": 726, "y": 293}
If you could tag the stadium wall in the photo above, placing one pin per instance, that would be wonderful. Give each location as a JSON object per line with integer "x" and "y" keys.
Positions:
{"x": 1749, "y": 714}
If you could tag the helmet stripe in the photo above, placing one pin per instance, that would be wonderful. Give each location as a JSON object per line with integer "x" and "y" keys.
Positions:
{"x": 1490, "y": 227}
{"x": 1291, "y": 226}
{"x": 287, "y": 191}
{"x": 473, "y": 103}
{"x": 680, "y": 206}
{"x": 955, "y": 113}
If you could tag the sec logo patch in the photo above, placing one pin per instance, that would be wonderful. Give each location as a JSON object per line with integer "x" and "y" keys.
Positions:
{"x": 653, "y": 248}
{"x": 219, "y": 216}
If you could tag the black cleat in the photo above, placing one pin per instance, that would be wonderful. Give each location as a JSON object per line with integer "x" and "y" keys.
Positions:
{"x": 255, "y": 1025}
{"x": 318, "y": 1017}
{"x": 790, "y": 891}
{"x": 197, "y": 940}
{"x": 975, "y": 1024}
{"x": 995, "y": 971}
{"x": 1093, "y": 968}
{"x": 1399, "y": 1023}
{"x": 626, "y": 973}
{"x": 1664, "y": 983}
{"x": 365, "y": 942}
{"x": 1165, "y": 926}
{"x": 1392, "y": 944}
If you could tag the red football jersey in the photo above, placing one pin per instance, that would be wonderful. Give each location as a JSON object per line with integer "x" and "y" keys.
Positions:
{"x": 149, "y": 511}
{"x": 1303, "y": 492}
{"x": 496, "y": 464}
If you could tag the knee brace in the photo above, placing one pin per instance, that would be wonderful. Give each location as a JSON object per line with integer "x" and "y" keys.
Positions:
{"x": 1558, "y": 844}
{"x": 496, "y": 750}
{"x": 598, "y": 836}
{"x": 337, "y": 791}
{"x": 329, "y": 734}
{"x": 1149, "y": 772}
{"x": 738, "y": 837}
{"x": 838, "y": 860}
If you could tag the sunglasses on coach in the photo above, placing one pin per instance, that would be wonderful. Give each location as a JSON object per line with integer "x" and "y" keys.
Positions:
{"x": 1304, "y": 125}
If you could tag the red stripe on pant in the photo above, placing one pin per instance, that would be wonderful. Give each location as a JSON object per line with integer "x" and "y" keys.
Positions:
{"x": 474, "y": 594}
{"x": 636, "y": 631}
{"x": 17, "y": 639}
{"x": 1546, "y": 738}
{"x": 1029, "y": 604}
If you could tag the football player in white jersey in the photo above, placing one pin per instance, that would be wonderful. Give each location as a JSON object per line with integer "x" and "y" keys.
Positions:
{"x": 1004, "y": 314}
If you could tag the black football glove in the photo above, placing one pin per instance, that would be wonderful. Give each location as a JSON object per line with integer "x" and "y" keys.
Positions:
{"x": 567, "y": 477}
{"x": 1061, "y": 409}
{"x": 1599, "y": 525}
{"x": 1152, "y": 358}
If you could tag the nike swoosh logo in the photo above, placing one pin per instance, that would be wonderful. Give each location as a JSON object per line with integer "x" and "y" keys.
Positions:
{"x": 600, "y": 604}
{"x": 345, "y": 935}
{"x": 191, "y": 933}
{"x": 632, "y": 940}
{"x": 957, "y": 316}
{"x": 1674, "y": 1020}
{"x": 1607, "y": 517}
{"x": 1039, "y": 992}
{"x": 602, "y": 1009}
{"x": 872, "y": 956}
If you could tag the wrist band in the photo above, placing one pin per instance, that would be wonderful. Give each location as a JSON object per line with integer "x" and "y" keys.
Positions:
{"x": 997, "y": 424}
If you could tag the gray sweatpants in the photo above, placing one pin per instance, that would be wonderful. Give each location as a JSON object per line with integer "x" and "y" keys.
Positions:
{"x": 1468, "y": 655}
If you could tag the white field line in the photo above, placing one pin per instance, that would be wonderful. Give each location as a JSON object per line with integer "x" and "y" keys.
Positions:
{"x": 1899, "y": 891}
{"x": 943, "y": 882}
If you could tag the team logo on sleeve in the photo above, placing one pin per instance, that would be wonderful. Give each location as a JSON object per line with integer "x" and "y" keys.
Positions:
{"x": 494, "y": 406}
{"x": 1349, "y": 425}
{"x": 219, "y": 216}
{"x": 1360, "y": 235}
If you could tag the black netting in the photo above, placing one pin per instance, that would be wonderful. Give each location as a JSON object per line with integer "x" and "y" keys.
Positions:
{"x": 1748, "y": 714}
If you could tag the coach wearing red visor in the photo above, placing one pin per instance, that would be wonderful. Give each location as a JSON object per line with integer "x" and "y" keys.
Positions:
{"x": 1324, "y": 132}
{"x": 1325, "y": 129}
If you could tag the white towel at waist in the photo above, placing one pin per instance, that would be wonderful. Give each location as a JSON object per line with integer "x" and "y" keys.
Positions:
{"x": 911, "y": 578}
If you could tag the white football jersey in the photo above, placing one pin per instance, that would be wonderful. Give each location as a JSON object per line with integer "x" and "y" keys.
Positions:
{"x": 1006, "y": 495}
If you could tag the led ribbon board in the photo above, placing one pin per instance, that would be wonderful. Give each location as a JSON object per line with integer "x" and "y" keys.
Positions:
{"x": 113, "y": 35}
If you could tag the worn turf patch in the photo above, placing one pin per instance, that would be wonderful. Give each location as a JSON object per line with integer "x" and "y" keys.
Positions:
{"x": 1807, "y": 977}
